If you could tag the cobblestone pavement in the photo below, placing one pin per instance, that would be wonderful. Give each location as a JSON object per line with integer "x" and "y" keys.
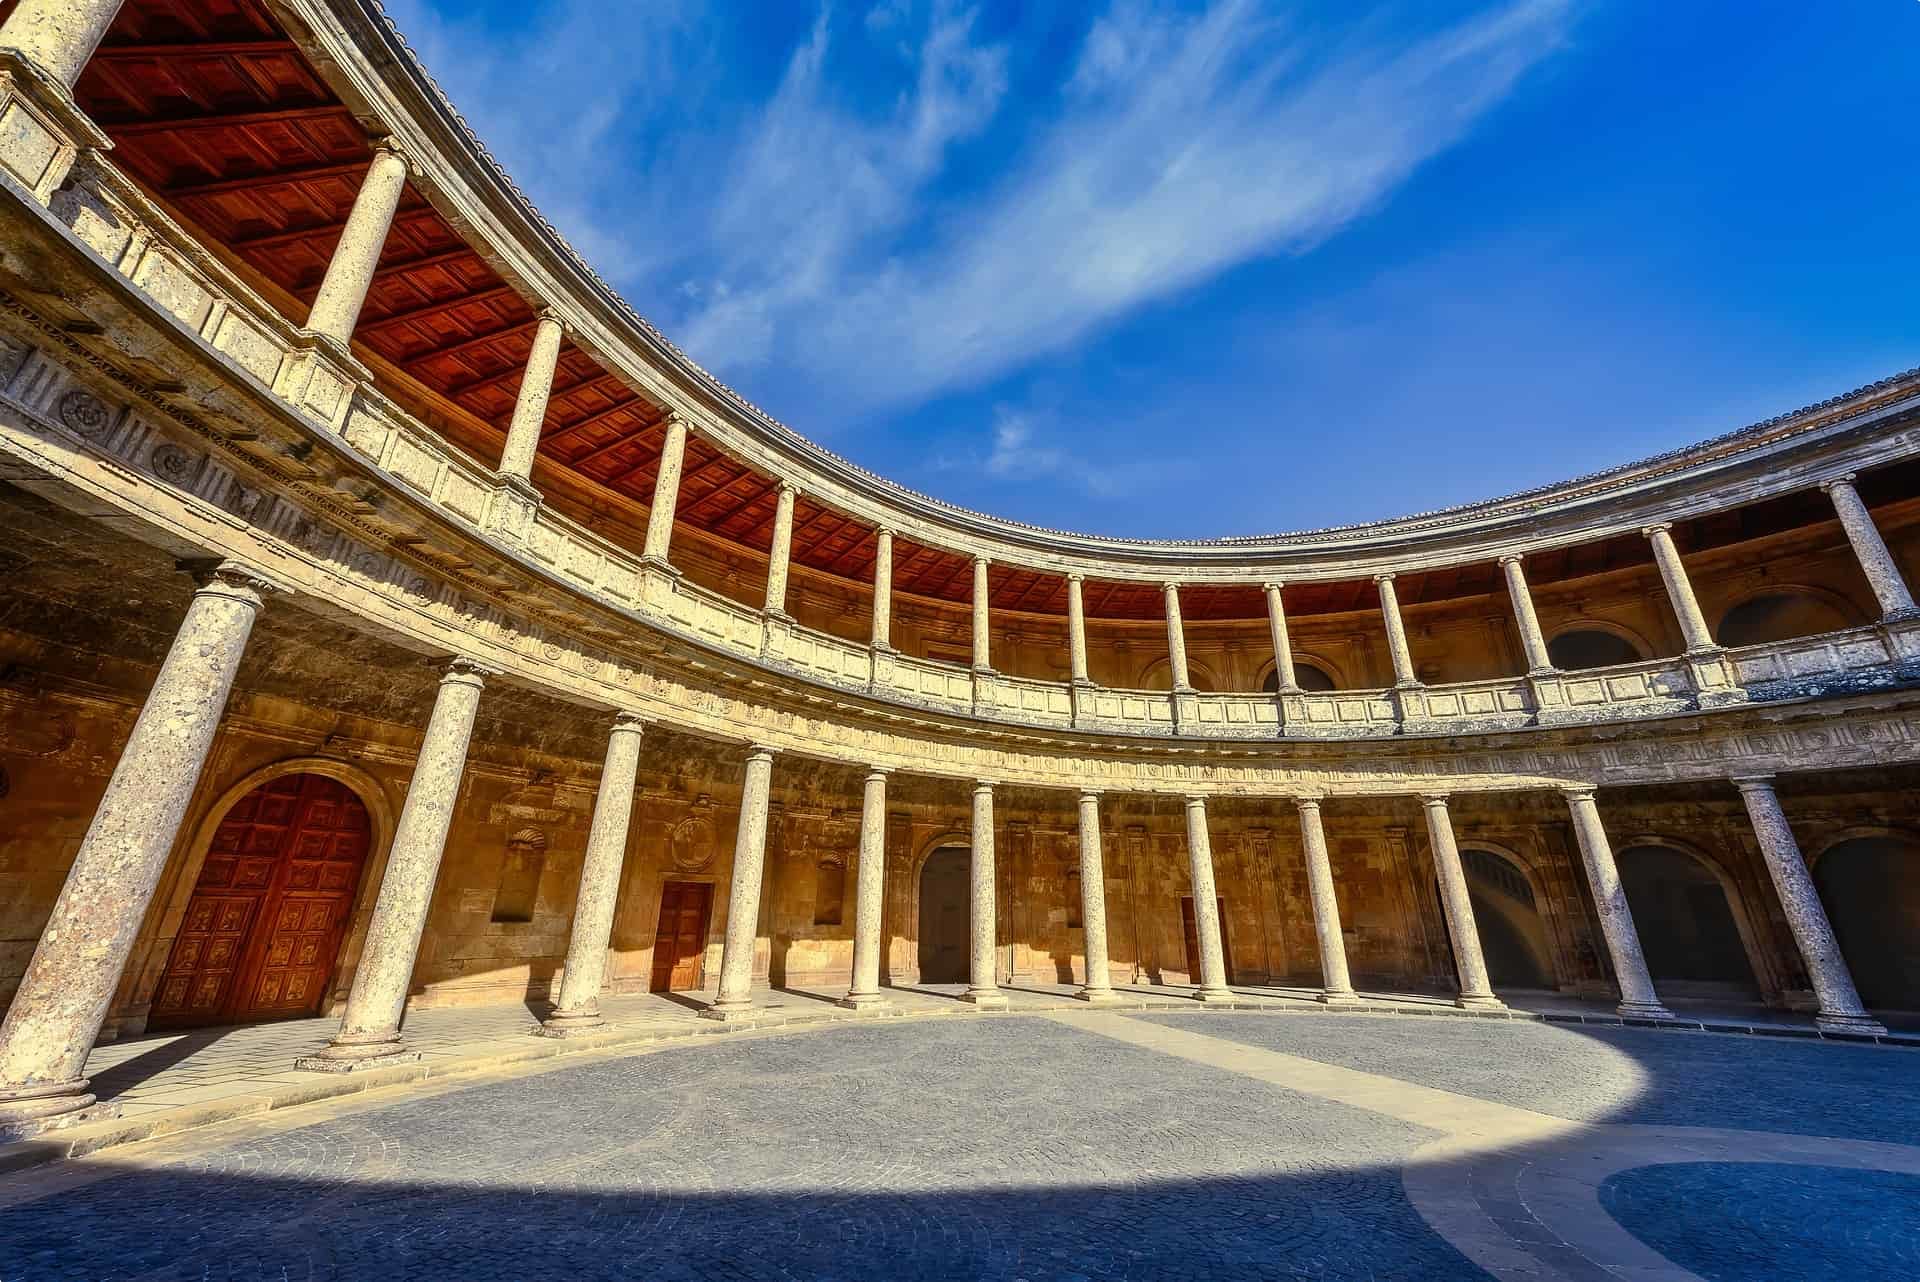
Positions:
{"x": 1084, "y": 1145}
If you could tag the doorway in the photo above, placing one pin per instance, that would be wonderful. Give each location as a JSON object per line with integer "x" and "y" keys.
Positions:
{"x": 680, "y": 939}
{"x": 262, "y": 933}
{"x": 1191, "y": 929}
{"x": 1686, "y": 928}
{"x": 1513, "y": 936}
{"x": 1868, "y": 887}
{"x": 945, "y": 915}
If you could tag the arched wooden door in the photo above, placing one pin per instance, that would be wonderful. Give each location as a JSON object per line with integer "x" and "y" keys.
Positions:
{"x": 263, "y": 931}
{"x": 945, "y": 887}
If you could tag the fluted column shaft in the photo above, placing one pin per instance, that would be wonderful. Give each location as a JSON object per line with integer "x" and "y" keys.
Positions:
{"x": 1098, "y": 988}
{"x": 63, "y": 998}
{"x": 1336, "y": 985}
{"x": 1533, "y": 643}
{"x": 1176, "y": 640}
{"x": 1876, "y": 562}
{"x": 743, "y": 895}
{"x": 58, "y": 36}
{"x": 864, "y": 992}
{"x": 1212, "y": 979}
{"x": 1287, "y": 679}
{"x": 343, "y": 291}
{"x": 1076, "y": 630}
{"x": 1840, "y": 1005}
{"x": 1403, "y": 673}
{"x": 586, "y": 972}
{"x": 666, "y": 492}
{"x": 370, "y": 1028}
{"x": 1468, "y": 960}
{"x": 982, "y": 988}
{"x": 982, "y": 620}
{"x": 780, "y": 554}
{"x": 530, "y": 405}
{"x": 1673, "y": 573}
{"x": 1637, "y": 996}
{"x": 883, "y": 591}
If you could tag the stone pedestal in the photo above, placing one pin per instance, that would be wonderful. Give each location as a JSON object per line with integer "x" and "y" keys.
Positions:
{"x": 578, "y": 1009}
{"x": 735, "y": 998}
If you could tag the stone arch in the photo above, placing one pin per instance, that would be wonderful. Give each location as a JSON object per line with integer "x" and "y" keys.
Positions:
{"x": 1509, "y": 909}
{"x": 1869, "y": 883}
{"x": 1315, "y": 676}
{"x": 1158, "y": 676}
{"x": 170, "y": 907}
{"x": 1666, "y": 919}
{"x": 1782, "y": 612}
{"x": 1595, "y": 643}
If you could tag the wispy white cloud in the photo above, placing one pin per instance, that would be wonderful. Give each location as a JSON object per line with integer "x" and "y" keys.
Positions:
{"x": 1023, "y": 447}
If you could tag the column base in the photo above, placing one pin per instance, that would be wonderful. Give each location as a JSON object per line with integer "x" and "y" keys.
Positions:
{"x": 1860, "y": 1025}
{"x": 570, "y": 1023}
{"x": 1213, "y": 996}
{"x": 1348, "y": 1000}
{"x": 985, "y": 998}
{"x": 1098, "y": 997}
{"x": 1479, "y": 1001}
{"x": 661, "y": 565}
{"x": 1643, "y": 1010}
{"x": 32, "y": 1110}
{"x": 356, "y": 1054}
{"x": 864, "y": 1001}
{"x": 731, "y": 1012}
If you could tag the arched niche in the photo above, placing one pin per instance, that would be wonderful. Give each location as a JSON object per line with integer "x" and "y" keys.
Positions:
{"x": 1588, "y": 645}
{"x": 1158, "y": 675}
{"x": 1782, "y": 614}
{"x": 1507, "y": 911}
{"x": 1308, "y": 674}
{"x": 1686, "y": 922}
{"x": 1870, "y": 886}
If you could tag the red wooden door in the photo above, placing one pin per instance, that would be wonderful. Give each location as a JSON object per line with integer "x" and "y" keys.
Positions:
{"x": 1192, "y": 930}
{"x": 268, "y": 915}
{"x": 680, "y": 940}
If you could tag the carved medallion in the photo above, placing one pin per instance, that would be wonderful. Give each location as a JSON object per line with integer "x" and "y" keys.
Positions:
{"x": 85, "y": 413}
{"x": 176, "y": 466}
{"x": 694, "y": 843}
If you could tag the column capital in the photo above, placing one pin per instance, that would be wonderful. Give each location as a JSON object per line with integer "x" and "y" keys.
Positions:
{"x": 1196, "y": 800}
{"x": 468, "y": 672}
{"x": 224, "y": 575}
{"x": 1384, "y": 578}
{"x": 980, "y": 561}
{"x": 982, "y": 785}
{"x": 788, "y": 487}
{"x": 677, "y": 417}
{"x": 1752, "y": 783}
{"x": 1273, "y": 585}
{"x": 1074, "y": 576}
{"x": 1658, "y": 527}
{"x": 761, "y": 752}
{"x": 1844, "y": 479}
{"x": 1090, "y": 794}
{"x": 878, "y": 772}
{"x": 628, "y": 721}
{"x": 1512, "y": 558}
{"x": 388, "y": 145}
{"x": 1432, "y": 799}
{"x": 547, "y": 314}
{"x": 1577, "y": 791}
{"x": 879, "y": 531}
{"x": 1308, "y": 801}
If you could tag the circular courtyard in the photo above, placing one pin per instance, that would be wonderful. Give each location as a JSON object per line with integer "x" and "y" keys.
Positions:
{"x": 1076, "y": 1145}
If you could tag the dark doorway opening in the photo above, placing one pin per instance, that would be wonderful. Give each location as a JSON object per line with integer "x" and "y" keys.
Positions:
{"x": 1686, "y": 927}
{"x": 1513, "y": 936}
{"x": 944, "y": 915}
{"x": 1871, "y": 889}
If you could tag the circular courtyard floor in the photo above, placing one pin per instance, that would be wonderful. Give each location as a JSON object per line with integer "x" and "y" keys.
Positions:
{"x": 1085, "y": 1145}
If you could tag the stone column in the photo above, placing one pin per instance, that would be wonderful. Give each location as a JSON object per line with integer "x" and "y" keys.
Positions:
{"x": 1673, "y": 573}
{"x": 1211, "y": 982}
{"x": 780, "y": 555}
{"x": 1637, "y": 997}
{"x": 666, "y": 495}
{"x": 578, "y": 1009}
{"x": 1468, "y": 961}
{"x": 1883, "y": 573}
{"x": 1176, "y": 641}
{"x": 982, "y": 623}
{"x": 530, "y": 407}
{"x": 883, "y": 591}
{"x": 63, "y": 998}
{"x": 864, "y": 993}
{"x": 369, "y": 1035}
{"x": 58, "y": 36}
{"x": 1840, "y": 1007}
{"x": 1532, "y": 641}
{"x": 1098, "y": 990}
{"x": 735, "y": 998}
{"x": 1077, "y": 630}
{"x": 1282, "y": 645}
{"x": 982, "y": 990}
{"x": 1336, "y": 986}
{"x": 1403, "y": 673}
{"x": 336, "y": 309}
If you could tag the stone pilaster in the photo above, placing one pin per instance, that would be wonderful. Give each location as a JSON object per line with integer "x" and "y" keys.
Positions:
{"x": 1469, "y": 964}
{"x": 1176, "y": 641}
{"x": 1211, "y": 982}
{"x": 1336, "y": 985}
{"x": 1098, "y": 990}
{"x": 1840, "y": 1007}
{"x": 369, "y": 1033}
{"x": 1883, "y": 573}
{"x": 780, "y": 554}
{"x": 982, "y": 988}
{"x": 1533, "y": 643}
{"x": 578, "y": 1008}
{"x": 1287, "y": 679}
{"x": 343, "y": 291}
{"x": 666, "y": 496}
{"x": 530, "y": 405}
{"x": 982, "y": 619}
{"x": 883, "y": 591}
{"x": 735, "y": 998}
{"x": 1637, "y": 997}
{"x": 864, "y": 992}
{"x": 56, "y": 1015}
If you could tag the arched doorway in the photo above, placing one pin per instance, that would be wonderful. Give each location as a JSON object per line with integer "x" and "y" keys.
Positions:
{"x": 944, "y": 916}
{"x": 1870, "y": 887}
{"x": 1685, "y": 924}
{"x": 1513, "y": 938}
{"x": 263, "y": 930}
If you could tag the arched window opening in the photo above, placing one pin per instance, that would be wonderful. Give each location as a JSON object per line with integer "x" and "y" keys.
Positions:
{"x": 1159, "y": 676}
{"x": 829, "y": 892}
{"x": 1583, "y": 648}
{"x": 1778, "y": 616}
{"x": 1870, "y": 887}
{"x": 1309, "y": 677}
{"x": 1513, "y": 938}
{"x": 1686, "y": 926}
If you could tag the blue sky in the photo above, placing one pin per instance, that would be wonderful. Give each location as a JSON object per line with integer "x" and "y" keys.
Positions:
{"x": 1174, "y": 268}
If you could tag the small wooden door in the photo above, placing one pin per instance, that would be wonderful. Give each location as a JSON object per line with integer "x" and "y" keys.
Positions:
{"x": 263, "y": 930}
{"x": 1192, "y": 931}
{"x": 680, "y": 941}
{"x": 945, "y": 916}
